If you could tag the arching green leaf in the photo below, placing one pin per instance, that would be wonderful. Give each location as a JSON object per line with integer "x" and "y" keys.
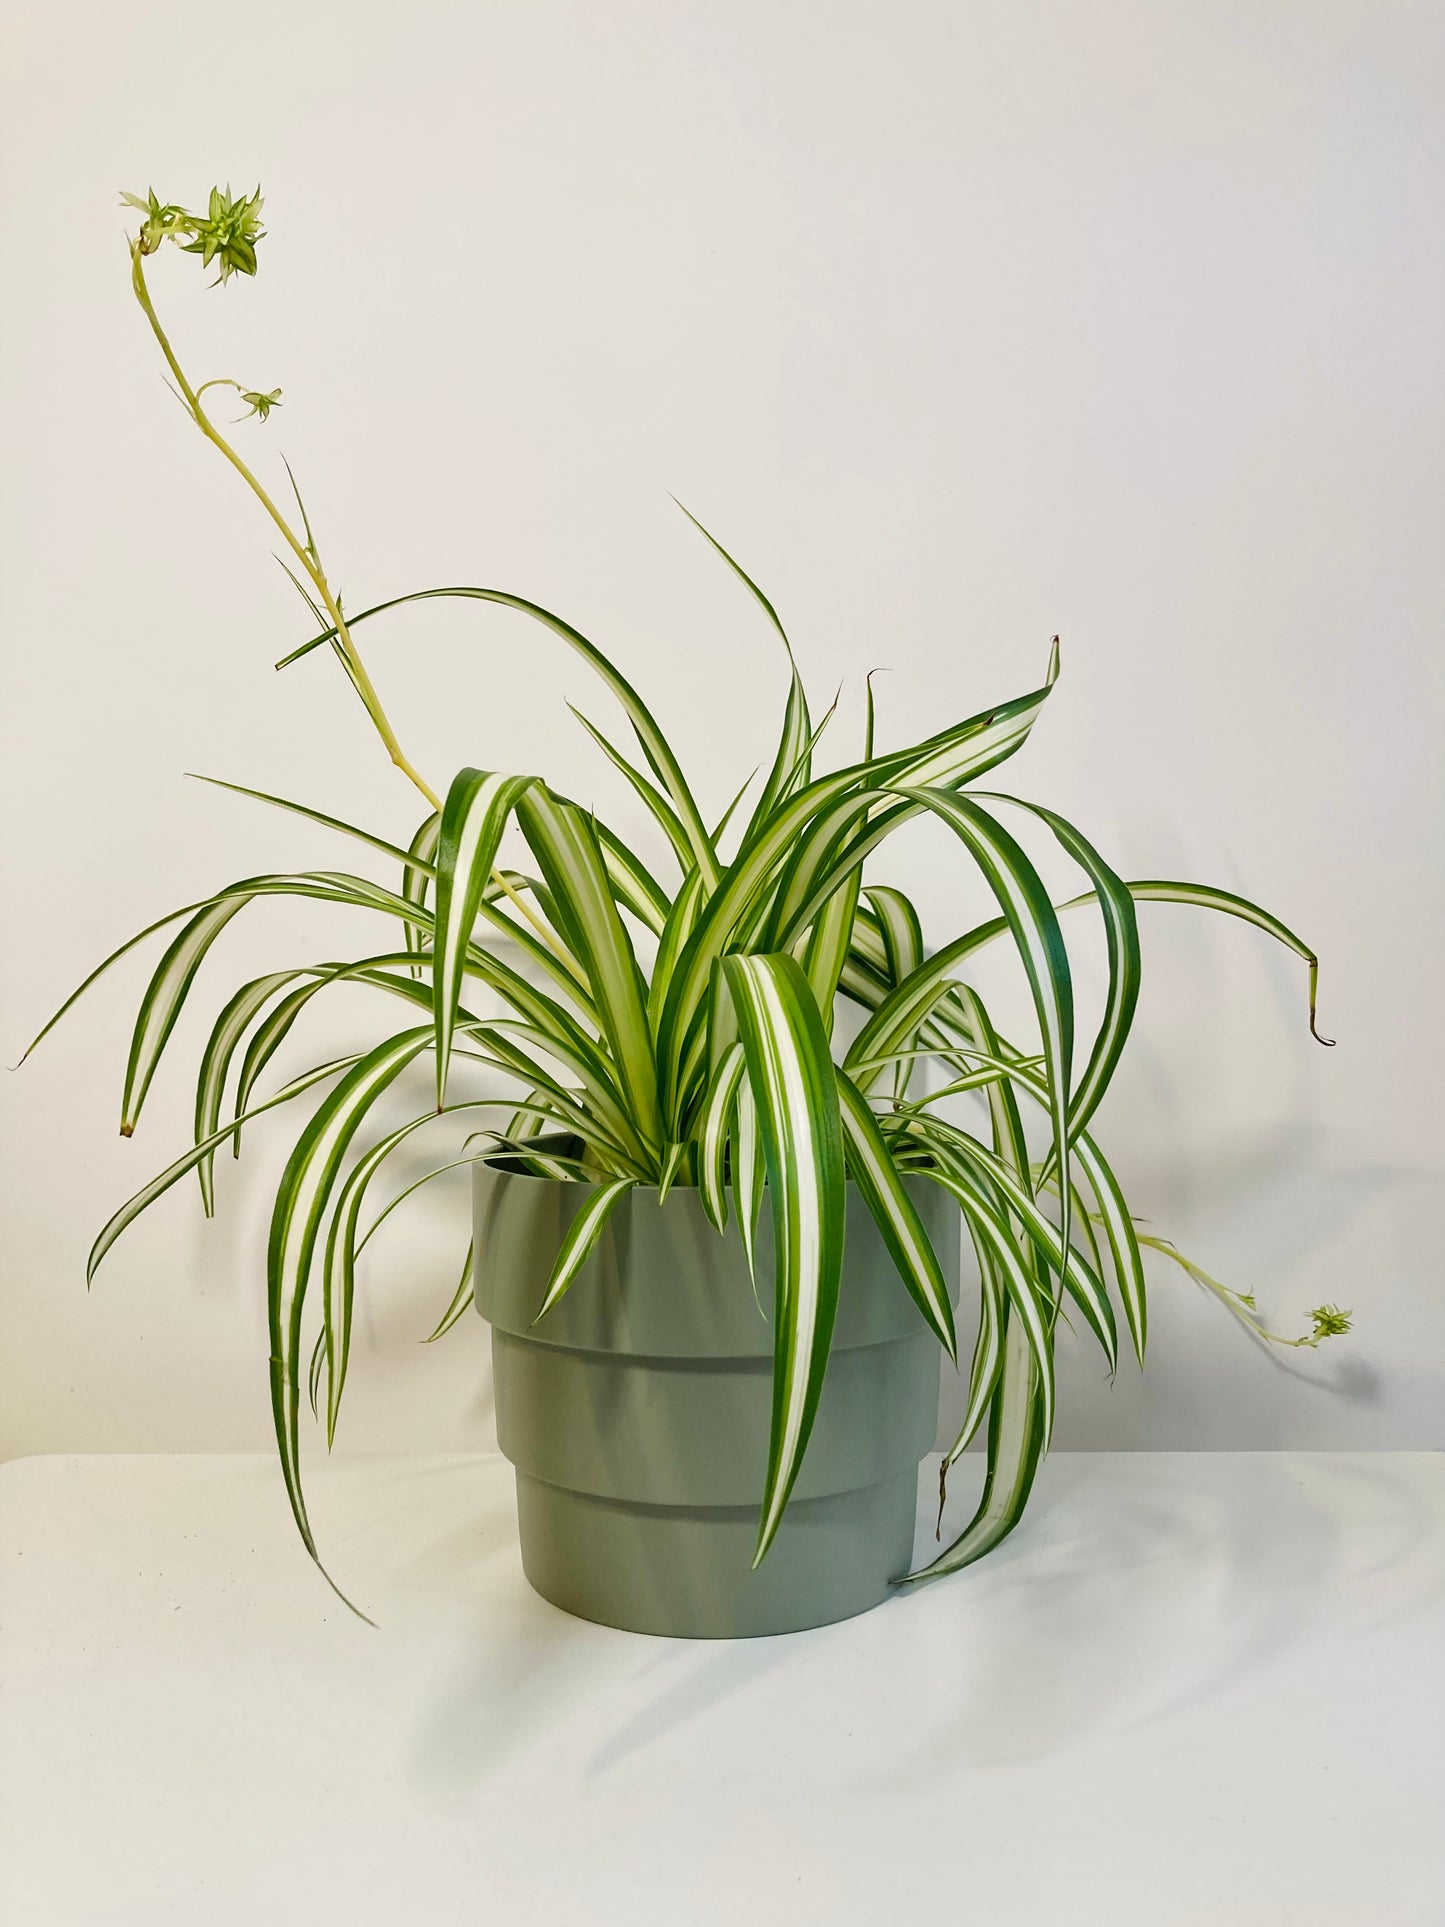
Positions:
{"x": 476, "y": 811}
{"x": 792, "y": 1080}
{"x": 581, "y": 1239}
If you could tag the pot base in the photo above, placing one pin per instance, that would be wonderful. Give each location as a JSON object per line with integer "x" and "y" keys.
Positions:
{"x": 683, "y": 1571}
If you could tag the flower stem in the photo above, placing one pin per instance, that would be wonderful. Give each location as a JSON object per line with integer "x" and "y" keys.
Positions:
{"x": 306, "y": 555}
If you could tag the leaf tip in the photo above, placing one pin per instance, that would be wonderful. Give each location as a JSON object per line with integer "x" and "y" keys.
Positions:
{"x": 767, "y": 1532}
{"x": 1314, "y": 968}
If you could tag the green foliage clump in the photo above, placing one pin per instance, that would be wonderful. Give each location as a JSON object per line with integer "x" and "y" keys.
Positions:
{"x": 675, "y": 1025}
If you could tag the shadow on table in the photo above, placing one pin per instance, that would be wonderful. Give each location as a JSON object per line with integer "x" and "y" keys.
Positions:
{"x": 1117, "y": 1606}
{"x": 1138, "y": 1587}
{"x": 534, "y": 1670}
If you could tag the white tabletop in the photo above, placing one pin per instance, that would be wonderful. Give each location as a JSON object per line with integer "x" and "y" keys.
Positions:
{"x": 1194, "y": 1690}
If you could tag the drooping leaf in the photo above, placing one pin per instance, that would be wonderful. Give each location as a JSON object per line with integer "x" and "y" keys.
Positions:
{"x": 1025, "y": 1311}
{"x": 229, "y": 1028}
{"x": 461, "y": 1300}
{"x": 581, "y": 1239}
{"x": 1121, "y": 932}
{"x": 962, "y": 1155}
{"x": 895, "y": 1214}
{"x": 1017, "y": 1437}
{"x": 842, "y": 834}
{"x": 161, "y": 1004}
{"x": 633, "y": 884}
{"x": 900, "y": 932}
{"x": 147, "y": 1195}
{"x": 674, "y": 1158}
{"x": 473, "y": 818}
{"x": 654, "y": 744}
{"x": 562, "y": 839}
{"x": 675, "y": 933}
{"x": 417, "y": 873}
{"x": 502, "y": 1050}
{"x": 1040, "y": 945}
{"x": 1118, "y": 1225}
{"x": 791, "y": 1076}
{"x": 749, "y": 1175}
{"x": 599, "y": 1094}
{"x": 1203, "y": 897}
{"x": 712, "y": 1133}
{"x": 987, "y": 1361}
{"x": 301, "y": 1201}
{"x": 826, "y": 948}
{"x": 1122, "y": 1241}
{"x": 131, "y": 943}
{"x": 901, "y": 1012}
{"x": 339, "y": 1270}
{"x": 174, "y": 976}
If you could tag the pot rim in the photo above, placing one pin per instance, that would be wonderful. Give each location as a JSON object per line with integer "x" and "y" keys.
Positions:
{"x": 564, "y": 1144}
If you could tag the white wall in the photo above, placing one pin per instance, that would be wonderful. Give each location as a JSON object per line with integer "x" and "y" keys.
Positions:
{"x": 963, "y": 324}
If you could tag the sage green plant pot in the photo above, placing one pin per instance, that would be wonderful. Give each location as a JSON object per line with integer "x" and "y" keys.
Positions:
{"x": 637, "y": 1413}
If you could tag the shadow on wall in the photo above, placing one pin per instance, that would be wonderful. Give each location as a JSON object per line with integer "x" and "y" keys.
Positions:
{"x": 1275, "y": 1214}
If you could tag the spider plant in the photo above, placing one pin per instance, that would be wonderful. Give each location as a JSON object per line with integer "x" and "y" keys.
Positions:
{"x": 673, "y": 1024}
